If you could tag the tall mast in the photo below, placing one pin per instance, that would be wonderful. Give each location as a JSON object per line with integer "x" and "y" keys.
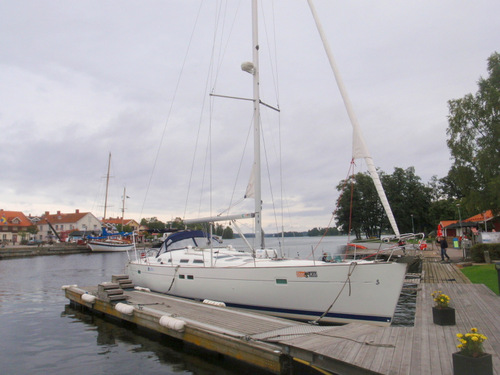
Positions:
{"x": 107, "y": 185}
{"x": 256, "y": 121}
{"x": 123, "y": 204}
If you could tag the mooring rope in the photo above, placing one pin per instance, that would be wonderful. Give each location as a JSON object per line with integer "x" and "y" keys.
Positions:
{"x": 173, "y": 278}
{"x": 352, "y": 266}
{"x": 369, "y": 343}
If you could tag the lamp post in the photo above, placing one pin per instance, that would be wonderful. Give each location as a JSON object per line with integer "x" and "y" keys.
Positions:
{"x": 412, "y": 225}
{"x": 461, "y": 233}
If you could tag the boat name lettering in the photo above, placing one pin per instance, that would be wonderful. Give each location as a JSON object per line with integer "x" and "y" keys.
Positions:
{"x": 307, "y": 274}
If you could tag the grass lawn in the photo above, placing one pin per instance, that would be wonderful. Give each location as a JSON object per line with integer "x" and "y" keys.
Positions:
{"x": 486, "y": 275}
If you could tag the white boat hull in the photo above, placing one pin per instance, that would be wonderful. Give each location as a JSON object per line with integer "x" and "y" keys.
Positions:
{"x": 285, "y": 288}
{"x": 97, "y": 246}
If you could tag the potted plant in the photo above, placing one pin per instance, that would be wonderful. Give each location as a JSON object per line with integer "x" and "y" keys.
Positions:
{"x": 442, "y": 313}
{"x": 471, "y": 359}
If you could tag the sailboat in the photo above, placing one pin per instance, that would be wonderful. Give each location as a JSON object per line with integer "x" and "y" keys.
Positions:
{"x": 110, "y": 242}
{"x": 191, "y": 264}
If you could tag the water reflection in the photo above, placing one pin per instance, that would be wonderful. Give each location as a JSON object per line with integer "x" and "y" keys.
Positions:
{"x": 404, "y": 315}
{"x": 115, "y": 338}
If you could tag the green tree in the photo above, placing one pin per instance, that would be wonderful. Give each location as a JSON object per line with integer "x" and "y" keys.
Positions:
{"x": 153, "y": 224}
{"x": 410, "y": 200}
{"x": 219, "y": 229}
{"x": 474, "y": 142}
{"x": 227, "y": 233}
{"x": 360, "y": 207}
{"x": 123, "y": 228}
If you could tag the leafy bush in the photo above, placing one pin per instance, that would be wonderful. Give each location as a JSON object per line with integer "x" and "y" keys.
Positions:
{"x": 477, "y": 251}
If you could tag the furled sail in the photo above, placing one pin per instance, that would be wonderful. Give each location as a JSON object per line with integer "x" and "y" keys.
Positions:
{"x": 250, "y": 192}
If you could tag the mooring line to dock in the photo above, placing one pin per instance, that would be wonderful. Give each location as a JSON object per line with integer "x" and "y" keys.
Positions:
{"x": 348, "y": 280}
{"x": 173, "y": 278}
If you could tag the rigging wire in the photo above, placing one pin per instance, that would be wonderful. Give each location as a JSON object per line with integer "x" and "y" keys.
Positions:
{"x": 350, "y": 204}
{"x": 231, "y": 205}
{"x": 215, "y": 67}
{"x": 273, "y": 61}
{"x": 207, "y": 151}
{"x": 170, "y": 109}
{"x": 350, "y": 170}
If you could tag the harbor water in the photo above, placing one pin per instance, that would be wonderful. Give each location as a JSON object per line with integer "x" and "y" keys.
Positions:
{"x": 40, "y": 333}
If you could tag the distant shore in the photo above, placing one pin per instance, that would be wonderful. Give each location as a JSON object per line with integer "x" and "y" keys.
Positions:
{"x": 23, "y": 251}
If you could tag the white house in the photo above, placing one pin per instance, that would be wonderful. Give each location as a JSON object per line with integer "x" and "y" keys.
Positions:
{"x": 64, "y": 224}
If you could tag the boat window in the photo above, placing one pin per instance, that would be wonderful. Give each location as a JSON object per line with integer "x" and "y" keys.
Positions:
{"x": 281, "y": 281}
{"x": 190, "y": 277}
{"x": 181, "y": 277}
{"x": 184, "y": 260}
{"x": 198, "y": 261}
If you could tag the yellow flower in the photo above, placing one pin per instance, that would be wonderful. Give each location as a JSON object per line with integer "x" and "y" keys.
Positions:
{"x": 459, "y": 335}
{"x": 473, "y": 330}
{"x": 459, "y": 346}
{"x": 474, "y": 338}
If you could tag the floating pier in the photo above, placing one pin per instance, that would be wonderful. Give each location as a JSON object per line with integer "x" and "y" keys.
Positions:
{"x": 276, "y": 345}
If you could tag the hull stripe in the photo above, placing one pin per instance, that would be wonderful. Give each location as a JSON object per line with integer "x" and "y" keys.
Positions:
{"x": 306, "y": 313}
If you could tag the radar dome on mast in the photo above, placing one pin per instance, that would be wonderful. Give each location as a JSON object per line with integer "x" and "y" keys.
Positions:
{"x": 248, "y": 67}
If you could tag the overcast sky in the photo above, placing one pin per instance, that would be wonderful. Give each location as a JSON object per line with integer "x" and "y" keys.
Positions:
{"x": 82, "y": 79}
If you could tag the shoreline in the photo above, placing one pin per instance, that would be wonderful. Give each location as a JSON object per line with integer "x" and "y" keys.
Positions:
{"x": 24, "y": 251}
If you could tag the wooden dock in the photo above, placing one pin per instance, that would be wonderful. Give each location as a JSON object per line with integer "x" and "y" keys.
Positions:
{"x": 275, "y": 344}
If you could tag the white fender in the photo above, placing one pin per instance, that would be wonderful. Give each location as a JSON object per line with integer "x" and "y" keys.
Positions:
{"x": 124, "y": 308}
{"x": 88, "y": 298}
{"x": 172, "y": 323}
{"x": 214, "y": 303}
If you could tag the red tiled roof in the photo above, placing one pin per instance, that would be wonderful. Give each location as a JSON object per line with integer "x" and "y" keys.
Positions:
{"x": 445, "y": 223}
{"x": 61, "y": 218}
{"x": 482, "y": 216}
{"x": 14, "y": 218}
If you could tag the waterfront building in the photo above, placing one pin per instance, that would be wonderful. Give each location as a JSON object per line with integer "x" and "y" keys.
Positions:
{"x": 13, "y": 227}
{"x": 61, "y": 225}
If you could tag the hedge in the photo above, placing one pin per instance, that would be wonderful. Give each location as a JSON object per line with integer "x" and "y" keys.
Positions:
{"x": 477, "y": 251}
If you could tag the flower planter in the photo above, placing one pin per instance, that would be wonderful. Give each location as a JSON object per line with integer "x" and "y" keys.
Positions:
{"x": 465, "y": 365}
{"x": 444, "y": 316}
